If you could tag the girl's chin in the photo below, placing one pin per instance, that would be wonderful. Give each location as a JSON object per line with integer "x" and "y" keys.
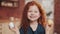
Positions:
{"x": 32, "y": 20}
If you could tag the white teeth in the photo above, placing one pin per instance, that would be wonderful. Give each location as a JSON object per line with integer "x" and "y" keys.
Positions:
{"x": 32, "y": 16}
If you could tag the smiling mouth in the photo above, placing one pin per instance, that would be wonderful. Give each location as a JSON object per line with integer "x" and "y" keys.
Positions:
{"x": 33, "y": 16}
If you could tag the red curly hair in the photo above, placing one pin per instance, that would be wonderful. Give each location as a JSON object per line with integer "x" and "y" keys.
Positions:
{"x": 25, "y": 21}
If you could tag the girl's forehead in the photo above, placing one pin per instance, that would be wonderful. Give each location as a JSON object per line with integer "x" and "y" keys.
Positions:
{"x": 33, "y": 7}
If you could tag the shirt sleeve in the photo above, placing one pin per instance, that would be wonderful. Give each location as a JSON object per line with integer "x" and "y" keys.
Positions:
{"x": 42, "y": 30}
{"x": 21, "y": 31}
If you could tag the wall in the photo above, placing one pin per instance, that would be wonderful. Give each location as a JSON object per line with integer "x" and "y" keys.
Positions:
{"x": 6, "y": 12}
{"x": 57, "y": 16}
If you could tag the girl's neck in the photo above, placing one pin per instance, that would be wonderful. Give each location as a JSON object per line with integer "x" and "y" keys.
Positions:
{"x": 34, "y": 25}
{"x": 33, "y": 22}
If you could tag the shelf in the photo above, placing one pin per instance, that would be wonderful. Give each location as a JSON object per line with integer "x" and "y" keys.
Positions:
{"x": 8, "y": 0}
{"x": 10, "y": 3}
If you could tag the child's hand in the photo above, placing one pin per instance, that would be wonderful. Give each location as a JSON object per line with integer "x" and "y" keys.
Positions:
{"x": 15, "y": 28}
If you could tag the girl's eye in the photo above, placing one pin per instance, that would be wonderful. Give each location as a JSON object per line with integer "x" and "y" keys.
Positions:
{"x": 35, "y": 11}
{"x": 29, "y": 11}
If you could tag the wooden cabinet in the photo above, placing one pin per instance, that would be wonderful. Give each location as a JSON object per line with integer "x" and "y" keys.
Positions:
{"x": 11, "y": 11}
{"x": 57, "y": 17}
{"x": 0, "y": 28}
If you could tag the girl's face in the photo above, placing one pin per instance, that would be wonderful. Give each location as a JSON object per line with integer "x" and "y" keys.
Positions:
{"x": 33, "y": 13}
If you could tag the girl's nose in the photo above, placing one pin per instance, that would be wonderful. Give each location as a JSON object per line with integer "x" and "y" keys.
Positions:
{"x": 32, "y": 13}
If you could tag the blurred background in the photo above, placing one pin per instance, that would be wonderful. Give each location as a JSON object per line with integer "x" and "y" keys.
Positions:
{"x": 11, "y": 11}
